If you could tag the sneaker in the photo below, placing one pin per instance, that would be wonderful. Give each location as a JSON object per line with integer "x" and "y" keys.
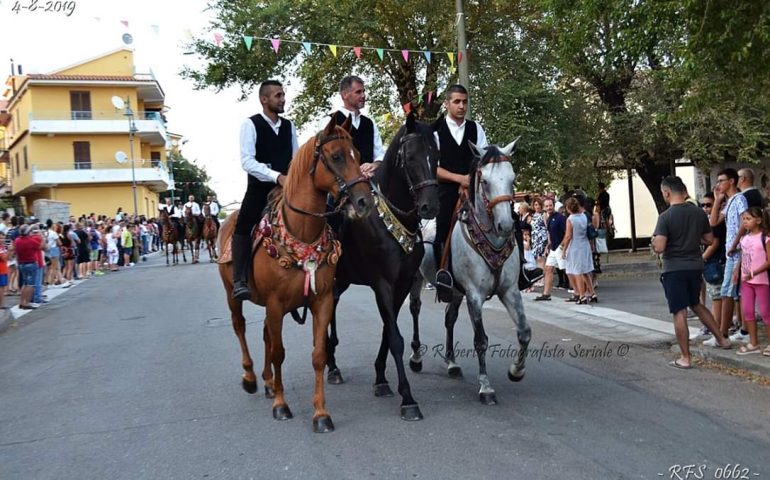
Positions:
{"x": 700, "y": 333}
{"x": 33, "y": 305}
{"x": 131, "y": 264}
{"x": 739, "y": 336}
{"x": 711, "y": 342}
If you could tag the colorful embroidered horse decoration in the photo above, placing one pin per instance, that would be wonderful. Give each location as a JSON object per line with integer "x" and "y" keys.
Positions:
{"x": 296, "y": 257}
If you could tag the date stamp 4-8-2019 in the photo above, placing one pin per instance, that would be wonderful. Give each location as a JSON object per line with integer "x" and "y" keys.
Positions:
{"x": 46, "y": 6}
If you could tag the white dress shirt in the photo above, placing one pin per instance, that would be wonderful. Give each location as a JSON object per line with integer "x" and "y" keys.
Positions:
{"x": 214, "y": 208}
{"x": 458, "y": 132}
{"x": 379, "y": 150}
{"x": 194, "y": 207}
{"x": 261, "y": 171}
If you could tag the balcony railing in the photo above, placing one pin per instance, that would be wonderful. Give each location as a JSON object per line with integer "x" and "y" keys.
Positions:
{"x": 103, "y": 164}
{"x": 92, "y": 115}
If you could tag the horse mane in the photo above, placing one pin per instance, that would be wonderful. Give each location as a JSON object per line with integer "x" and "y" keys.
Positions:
{"x": 425, "y": 129}
{"x": 300, "y": 166}
{"x": 490, "y": 154}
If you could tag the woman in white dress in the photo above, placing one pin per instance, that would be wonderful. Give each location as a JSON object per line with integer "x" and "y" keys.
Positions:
{"x": 577, "y": 252}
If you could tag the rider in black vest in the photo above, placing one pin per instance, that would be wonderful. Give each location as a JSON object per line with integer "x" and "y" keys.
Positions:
{"x": 453, "y": 175}
{"x": 268, "y": 143}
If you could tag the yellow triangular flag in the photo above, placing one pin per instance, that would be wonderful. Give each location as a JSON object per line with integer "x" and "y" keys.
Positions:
{"x": 451, "y": 56}
{"x": 333, "y": 48}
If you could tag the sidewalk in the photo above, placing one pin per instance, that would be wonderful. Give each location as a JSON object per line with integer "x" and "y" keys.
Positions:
{"x": 630, "y": 295}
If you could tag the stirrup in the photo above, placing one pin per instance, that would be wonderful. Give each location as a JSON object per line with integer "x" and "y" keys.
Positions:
{"x": 533, "y": 275}
{"x": 444, "y": 279}
{"x": 241, "y": 291}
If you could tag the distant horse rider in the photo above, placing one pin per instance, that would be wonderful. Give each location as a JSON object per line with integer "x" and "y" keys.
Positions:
{"x": 268, "y": 142}
{"x": 173, "y": 213}
{"x": 195, "y": 209}
{"x": 211, "y": 201}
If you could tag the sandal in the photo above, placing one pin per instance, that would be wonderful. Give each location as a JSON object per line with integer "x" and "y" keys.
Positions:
{"x": 547, "y": 298}
{"x": 677, "y": 365}
{"x": 748, "y": 349}
{"x": 594, "y": 298}
{"x": 573, "y": 298}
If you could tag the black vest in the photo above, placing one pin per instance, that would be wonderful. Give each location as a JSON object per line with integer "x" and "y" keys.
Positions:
{"x": 754, "y": 198}
{"x": 271, "y": 149}
{"x": 363, "y": 136}
{"x": 456, "y": 158}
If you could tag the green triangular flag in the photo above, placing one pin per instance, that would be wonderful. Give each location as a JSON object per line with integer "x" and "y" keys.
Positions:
{"x": 247, "y": 40}
{"x": 380, "y": 53}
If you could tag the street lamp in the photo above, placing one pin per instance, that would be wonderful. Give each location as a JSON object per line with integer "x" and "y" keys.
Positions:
{"x": 119, "y": 103}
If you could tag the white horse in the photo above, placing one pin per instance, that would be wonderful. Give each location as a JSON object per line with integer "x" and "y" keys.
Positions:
{"x": 485, "y": 262}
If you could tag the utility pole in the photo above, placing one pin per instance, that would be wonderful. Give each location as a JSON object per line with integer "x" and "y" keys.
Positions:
{"x": 462, "y": 63}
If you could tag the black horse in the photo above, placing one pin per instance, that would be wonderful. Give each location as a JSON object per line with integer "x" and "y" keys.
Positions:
{"x": 384, "y": 251}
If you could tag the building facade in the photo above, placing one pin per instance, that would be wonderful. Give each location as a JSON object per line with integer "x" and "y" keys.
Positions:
{"x": 69, "y": 139}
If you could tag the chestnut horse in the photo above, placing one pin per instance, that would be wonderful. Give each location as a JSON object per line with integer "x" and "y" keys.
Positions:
{"x": 210, "y": 232}
{"x": 295, "y": 260}
{"x": 193, "y": 233}
{"x": 173, "y": 234}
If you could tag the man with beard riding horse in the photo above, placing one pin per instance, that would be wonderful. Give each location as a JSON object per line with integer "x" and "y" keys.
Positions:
{"x": 268, "y": 143}
{"x": 452, "y": 136}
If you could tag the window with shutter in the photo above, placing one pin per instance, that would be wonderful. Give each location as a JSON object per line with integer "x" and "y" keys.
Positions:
{"x": 82, "y": 155}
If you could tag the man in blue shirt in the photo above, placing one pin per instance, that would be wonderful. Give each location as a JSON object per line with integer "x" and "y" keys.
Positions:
{"x": 557, "y": 227}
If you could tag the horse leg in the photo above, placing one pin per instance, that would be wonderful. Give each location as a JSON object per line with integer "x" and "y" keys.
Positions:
{"x": 480, "y": 344}
{"x": 274, "y": 325}
{"x": 334, "y": 376}
{"x": 249, "y": 379}
{"x": 389, "y": 299}
{"x": 515, "y": 307}
{"x": 415, "y": 303}
{"x": 381, "y": 387}
{"x": 267, "y": 371}
{"x": 181, "y": 243}
{"x": 165, "y": 247}
{"x": 322, "y": 308}
{"x": 450, "y": 317}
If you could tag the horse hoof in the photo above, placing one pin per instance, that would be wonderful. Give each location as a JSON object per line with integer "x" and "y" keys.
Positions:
{"x": 323, "y": 424}
{"x": 455, "y": 371}
{"x": 411, "y": 413}
{"x": 282, "y": 412}
{"x": 517, "y": 377}
{"x": 269, "y": 392}
{"x": 382, "y": 390}
{"x": 415, "y": 366}
{"x": 335, "y": 377}
{"x": 250, "y": 386}
{"x": 488, "y": 398}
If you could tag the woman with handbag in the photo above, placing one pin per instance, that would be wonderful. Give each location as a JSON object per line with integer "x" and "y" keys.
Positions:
{"x": 714, "y": 263}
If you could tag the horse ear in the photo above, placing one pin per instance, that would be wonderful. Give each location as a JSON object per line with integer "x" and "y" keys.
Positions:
{"x": 329, "y": 129}
{"x": 508, "y": 150}
{"x": 475, "y": 149}
{"x": 347, "y": 125}
{"x": 410, "y": 122}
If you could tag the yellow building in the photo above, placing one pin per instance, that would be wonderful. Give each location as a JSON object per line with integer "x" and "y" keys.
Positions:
{"x": 69, "y": 138}
{"x": 5, "y": 182}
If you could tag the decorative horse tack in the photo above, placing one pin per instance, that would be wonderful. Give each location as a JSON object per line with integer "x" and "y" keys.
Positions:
{"x": 403, "y": 236}
{"x": 477, "y": 237}
{"x": 290, "y": 252}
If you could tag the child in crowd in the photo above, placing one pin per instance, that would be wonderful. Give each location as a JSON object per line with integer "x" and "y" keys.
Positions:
{"x": 530, "y": 262}
{"x": 753, "y": 272}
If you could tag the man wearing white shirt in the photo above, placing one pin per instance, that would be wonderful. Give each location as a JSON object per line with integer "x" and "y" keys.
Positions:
{"x": 195, "y": 209}
{"x": 268, "y": 143}
{"x": 213, "y": 209}
{"x": 366, "y": 135}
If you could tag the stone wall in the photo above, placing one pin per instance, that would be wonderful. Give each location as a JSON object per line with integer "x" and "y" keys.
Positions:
{"x": 57, "y": 211}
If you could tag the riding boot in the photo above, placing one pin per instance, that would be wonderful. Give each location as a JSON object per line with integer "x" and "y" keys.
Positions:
{"x": 444, "y": 281}
{"x": 527, "y": 276}
{"x": 241, "y": 247}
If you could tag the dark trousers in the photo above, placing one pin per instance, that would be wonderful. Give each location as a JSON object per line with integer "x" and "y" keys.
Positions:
{"x": 447, "y": 198}
{"x": 252, "y": 208}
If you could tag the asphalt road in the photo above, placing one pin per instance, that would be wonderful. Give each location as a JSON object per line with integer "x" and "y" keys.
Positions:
{"x": 137, "y": 375}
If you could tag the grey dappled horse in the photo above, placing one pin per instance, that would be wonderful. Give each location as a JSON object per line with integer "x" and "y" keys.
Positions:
{"x": 489, "y": 209}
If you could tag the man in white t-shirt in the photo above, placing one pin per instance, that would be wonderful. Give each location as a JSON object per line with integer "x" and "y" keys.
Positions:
{"x": 213, "y": 209}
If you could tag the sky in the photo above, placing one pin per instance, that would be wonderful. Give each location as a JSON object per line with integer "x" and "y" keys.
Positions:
{"x": 46, "y": 41}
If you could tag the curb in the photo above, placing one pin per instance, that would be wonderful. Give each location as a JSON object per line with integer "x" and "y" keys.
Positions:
{"x": 6, "y": 318}
{"x": 728, "y": 358}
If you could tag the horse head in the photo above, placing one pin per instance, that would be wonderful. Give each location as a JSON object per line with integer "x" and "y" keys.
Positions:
{"x": 492, "y": 186}
{"x": 336, "y": 169}
{"x": 416, "y": 161}
{"x": 206, "y": 210}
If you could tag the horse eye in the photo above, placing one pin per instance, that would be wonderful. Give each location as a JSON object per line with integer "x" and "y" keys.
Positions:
{"x": 336, "y": 157}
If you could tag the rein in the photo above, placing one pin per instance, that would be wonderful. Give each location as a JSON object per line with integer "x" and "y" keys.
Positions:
{"x": 342, "y": 196}
{"x": 490, "y": 204}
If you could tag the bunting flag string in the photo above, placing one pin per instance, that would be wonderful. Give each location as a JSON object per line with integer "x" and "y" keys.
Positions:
{"x": 357, "y": 50}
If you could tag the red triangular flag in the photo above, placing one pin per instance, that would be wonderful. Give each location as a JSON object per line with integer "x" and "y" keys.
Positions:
{"x": 459, "y": 57}
{"x": 405, "y": 54}
{"x": 357, "y": 51}
{"x": 218, "y": 38}
{"x": 125, "y": 23}
{"x": 408, "y": 107}
{"x": 430, "y": 96}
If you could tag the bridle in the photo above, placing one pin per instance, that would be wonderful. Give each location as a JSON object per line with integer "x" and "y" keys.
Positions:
{"x": 490, "y": 204}
{"x": 343, "y": 186}
{"x": 401, "y": 165}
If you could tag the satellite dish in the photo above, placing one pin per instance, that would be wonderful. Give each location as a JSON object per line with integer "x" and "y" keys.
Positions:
{"x": 128, "y": 39}
{"x": 121, "y": 157}
{"x": 118, "y": 102}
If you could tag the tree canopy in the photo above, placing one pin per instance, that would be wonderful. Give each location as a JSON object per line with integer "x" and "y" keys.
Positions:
{"x": 593, "y": 86}
{"x": 189, "y": 179}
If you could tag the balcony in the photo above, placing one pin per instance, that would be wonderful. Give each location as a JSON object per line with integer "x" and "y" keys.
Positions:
{"x": 54, "y": 174}
{"x": 150, "y": 125}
